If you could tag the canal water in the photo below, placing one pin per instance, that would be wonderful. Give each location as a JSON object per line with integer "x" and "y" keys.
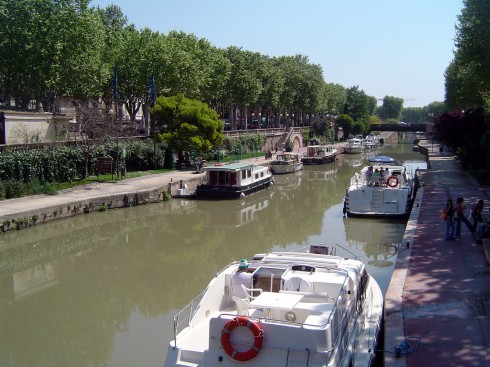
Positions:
{"x": 101, "y": 289}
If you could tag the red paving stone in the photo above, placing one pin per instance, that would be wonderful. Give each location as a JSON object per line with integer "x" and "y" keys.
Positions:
{"x": 440, "y": 290}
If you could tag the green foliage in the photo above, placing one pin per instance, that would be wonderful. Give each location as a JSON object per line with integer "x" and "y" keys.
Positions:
{"x": 249, "y": 143}
{"x": 345, "y": 122}
{"x": 356, "y": 104}
{"x": 392, "y": 108}
{"x": 191, "y": 125}
{"x": 468, "y": 76}
{"x": 29, "y": 172}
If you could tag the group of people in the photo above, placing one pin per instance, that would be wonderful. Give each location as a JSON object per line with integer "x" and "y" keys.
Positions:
{"x": 376, "y": 176}
{"x": 455, "y": 215}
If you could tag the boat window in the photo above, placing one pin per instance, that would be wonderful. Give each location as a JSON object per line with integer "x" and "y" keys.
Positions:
{"x": 212, "y": 178}
{"x": 221, "y": 178}
{"x": 232, "y": 178}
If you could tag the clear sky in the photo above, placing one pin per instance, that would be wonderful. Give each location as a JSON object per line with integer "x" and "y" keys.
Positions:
{"x": 398, "y": 48}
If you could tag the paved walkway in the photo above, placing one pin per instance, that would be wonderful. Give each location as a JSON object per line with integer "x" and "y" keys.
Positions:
{"x": 27, "y": 206}
{"x": 440, "y": 290}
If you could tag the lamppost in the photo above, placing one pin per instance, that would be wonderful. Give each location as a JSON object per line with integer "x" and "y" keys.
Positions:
{"x": 431, "y": 117}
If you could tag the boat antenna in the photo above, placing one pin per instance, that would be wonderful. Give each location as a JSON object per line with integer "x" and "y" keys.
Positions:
{"x": 350, "y": 252}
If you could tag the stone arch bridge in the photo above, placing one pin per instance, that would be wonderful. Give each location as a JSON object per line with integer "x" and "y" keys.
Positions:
{"x": 276, "y": 138}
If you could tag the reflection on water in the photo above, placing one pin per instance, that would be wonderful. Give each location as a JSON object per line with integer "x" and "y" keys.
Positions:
{"x": 101, "y": 289}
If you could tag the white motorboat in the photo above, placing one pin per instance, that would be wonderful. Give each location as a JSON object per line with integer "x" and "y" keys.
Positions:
{"x": 300, "y": 309}
{"x": 388, "y": 191}
{"x": 286, "y": 162}
{"x": 319, "y": 154}
{"x": 354, "y": 146}
{"x": 233, "y": 180}
{"x": 370, "y": 142}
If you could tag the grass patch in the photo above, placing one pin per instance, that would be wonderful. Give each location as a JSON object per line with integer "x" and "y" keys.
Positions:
{"x": 14, "y": 189}
{"x": 104, "y": 178}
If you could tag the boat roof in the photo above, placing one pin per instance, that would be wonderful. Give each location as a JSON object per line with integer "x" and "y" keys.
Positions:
{"x": 382, "y": 159}
{"x": 288, "y": 153}
{"x": 320, "y": 146}
{"x": 232, "y": 166}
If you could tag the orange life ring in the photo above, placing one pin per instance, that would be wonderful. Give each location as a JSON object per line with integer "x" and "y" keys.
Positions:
{"x": 392, "y": 181}
{"x": 218, "y": 164}
{"x": 256, "y": 330}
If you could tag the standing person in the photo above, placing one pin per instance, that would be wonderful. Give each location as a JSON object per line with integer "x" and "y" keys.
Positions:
{"x": 476, "y": 214}
{"x": 369, "y": 175}
{"x": 460, "y": 217}
{"x": 376, "y": 176}
{"x": 239, "y": 278}
{"x": 386, "y": 175}
{"x": 450, "y": 228}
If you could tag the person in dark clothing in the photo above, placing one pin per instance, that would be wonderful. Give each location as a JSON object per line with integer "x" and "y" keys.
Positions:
{"x": 460, "y": 217}
{"x": 450, "y": 228}
{"x": 476, "y": 214}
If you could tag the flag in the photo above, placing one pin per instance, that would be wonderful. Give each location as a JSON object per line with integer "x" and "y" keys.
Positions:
{"x": 114, "y": 84}
{"x": 151, "y": 89}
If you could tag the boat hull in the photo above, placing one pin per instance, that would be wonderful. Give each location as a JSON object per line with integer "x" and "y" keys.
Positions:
{"x": 353, "y": 150}
{"x": 286, "y": 168}
{"x": 318, "y": 160}
{"x": 205, "y": 191}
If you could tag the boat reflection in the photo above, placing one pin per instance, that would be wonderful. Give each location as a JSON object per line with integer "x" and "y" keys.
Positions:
{"x": 377, "y": 239}
{"x": 318, "y": 175}
{"x": 243, "y": 213}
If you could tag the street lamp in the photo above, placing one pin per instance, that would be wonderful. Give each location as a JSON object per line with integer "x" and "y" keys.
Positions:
{"x": 431, "y": 117}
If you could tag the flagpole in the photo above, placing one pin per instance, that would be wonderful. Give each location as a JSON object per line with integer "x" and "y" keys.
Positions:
{"x": 152, "y": 94}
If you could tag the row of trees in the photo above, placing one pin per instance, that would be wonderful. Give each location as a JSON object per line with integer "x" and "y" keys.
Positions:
{"x": 467, "y": 127}
{"x": 54, "y": 48}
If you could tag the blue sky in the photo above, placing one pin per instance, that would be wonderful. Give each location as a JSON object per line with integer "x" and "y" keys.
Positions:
{"x": 398, "y": 48}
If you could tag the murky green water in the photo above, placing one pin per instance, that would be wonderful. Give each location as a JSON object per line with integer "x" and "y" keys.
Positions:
{"x": 101, "y": 289}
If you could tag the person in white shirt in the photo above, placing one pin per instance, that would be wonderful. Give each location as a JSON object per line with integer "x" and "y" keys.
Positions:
{"x": 239, "y": 278}
{"x": 386, "y": 174}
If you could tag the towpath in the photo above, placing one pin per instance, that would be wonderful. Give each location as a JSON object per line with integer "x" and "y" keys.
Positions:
{"x": 440, "y": 290}
{"x": 37, "y": 209}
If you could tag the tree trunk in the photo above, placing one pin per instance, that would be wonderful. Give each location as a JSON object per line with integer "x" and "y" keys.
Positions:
{"x": 85, "y": 168}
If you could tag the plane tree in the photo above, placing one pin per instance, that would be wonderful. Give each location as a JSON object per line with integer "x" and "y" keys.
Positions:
{"x": 391, "y": 109}
{"x": 244, "y": 85}
{"x": 468, "y": 75}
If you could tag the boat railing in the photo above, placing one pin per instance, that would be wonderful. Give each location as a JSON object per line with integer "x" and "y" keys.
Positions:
{"x": 183, "y": 318}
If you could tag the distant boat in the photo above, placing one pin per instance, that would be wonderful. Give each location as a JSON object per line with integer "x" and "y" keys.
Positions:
{"x": 233, "y": 180}
{"x": 319, "y": 154}
{"x": 354, "y": 146}
{"x": 370, "y": 142}
{"x": 286, "y": 162}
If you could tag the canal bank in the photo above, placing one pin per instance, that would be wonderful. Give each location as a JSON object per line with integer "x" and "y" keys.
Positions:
{"x": 20, "y": 213}
{"x": 437, "y": 307}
